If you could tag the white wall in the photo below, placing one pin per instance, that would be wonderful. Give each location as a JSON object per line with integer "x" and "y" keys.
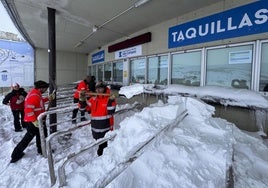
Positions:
{"x": 70, "y": 67}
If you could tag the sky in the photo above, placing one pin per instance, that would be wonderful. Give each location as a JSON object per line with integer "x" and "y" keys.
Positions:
{"x": 174, "y": 143}
{"x": 6, "y": 23}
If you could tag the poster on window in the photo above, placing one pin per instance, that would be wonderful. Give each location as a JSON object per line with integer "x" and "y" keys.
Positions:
{"x": 240, "y": 57}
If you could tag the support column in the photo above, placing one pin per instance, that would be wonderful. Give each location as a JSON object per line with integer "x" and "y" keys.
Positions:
{"x": 52, "y": 63}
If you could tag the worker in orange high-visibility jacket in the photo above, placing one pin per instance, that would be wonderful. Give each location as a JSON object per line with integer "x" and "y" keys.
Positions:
{"x": 34, "y": 105}
{"x": 102, "y": 109}
{"x": 81, "y": 89}
{"x": 107, "y": 91}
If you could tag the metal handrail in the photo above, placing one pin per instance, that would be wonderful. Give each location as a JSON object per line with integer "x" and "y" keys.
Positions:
{"x": 61, "y": 170}
{"x": 49, "y": 150}
{"x": 59, "y": 109}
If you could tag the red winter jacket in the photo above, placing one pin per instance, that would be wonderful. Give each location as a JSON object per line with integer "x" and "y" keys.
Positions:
{"x": 16, "y": 99}
{"x": 34, "y": 105}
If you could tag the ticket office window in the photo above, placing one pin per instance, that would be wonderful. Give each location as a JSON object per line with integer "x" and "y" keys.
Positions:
{"x": 230, "y": 67}
{"x": 186, "y": 68}
{"x": 100, "y": 72}
{"x": 138, "y": 70}
{"x": 94, "y": 71}
{"x": 89, "y": 70}
{"x": 118, "y": 71}
{"x": 264, "y": 68}
{"x": 158, "y": 70}
{"x": 108, "y": 72}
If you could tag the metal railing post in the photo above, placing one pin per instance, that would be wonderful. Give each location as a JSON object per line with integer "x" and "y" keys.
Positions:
{"x": 42, "y": 133}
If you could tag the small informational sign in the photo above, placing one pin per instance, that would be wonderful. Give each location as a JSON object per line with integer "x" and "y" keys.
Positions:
{"x": 129, "y": 52}
{"x": 98, "y": 57}
{"x": 240, "y": 57}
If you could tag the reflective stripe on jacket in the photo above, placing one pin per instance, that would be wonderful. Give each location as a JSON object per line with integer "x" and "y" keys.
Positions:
{"x": 34, "y": 105}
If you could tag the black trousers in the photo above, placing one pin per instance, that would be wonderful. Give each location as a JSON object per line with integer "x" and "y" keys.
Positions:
{"x": 98, "y": 135}
{"x": 32, "y": 132}
{"x": 18, "y": 116}
{"x": 75, "y": 111}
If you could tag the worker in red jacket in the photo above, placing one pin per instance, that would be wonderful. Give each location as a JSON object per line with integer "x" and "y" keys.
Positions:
{"x": 102, "y": 108}
{"x": 34, "y": 106}
{"x": 82, "y": 87}
{"x": 15, "y": 99}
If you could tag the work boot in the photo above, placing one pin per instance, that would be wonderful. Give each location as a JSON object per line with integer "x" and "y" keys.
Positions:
{"x": 17, "y": 157}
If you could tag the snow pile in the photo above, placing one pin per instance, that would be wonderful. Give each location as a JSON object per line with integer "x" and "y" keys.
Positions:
{"x": 194, "y": 155}
{"x": 223, "y": 95}
{"x": 196, "y": 152}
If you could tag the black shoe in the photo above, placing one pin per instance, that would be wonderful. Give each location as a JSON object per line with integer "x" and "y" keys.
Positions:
{"x": 18, "y": 157}
{"x": 73, "y": 122}
{"x": 18, "y": 130}
{"x": 100, "y": 152}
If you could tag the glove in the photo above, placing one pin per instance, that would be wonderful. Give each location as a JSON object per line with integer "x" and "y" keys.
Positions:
{"x": 82, "y": 95}
{"x": 20, "y": 100}
{"x": 112, "y": 97}
{"x": 51, "y": 97}
{"x": 35, "y": 123}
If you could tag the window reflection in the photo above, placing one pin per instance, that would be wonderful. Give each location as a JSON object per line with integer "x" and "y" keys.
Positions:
{"x": 230, "y": 67}
{"x": 100, "y": 72}
{"x": 186, "y": 68}
{"x": 158, "y": 70}
{"x": 137, "y": 71}
{"x": 118, "y": 71}
{"x": 264, "y": 68}
{"x": 108, "y": 72}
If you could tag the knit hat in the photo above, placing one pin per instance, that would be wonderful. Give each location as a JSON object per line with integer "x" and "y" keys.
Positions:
{"x": 15, "y": 84}
{"x": 40, "y": 84}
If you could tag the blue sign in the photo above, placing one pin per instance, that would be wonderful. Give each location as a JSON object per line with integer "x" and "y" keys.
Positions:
{"x": 98, "y": 57}
{"x": 244, "y": 20}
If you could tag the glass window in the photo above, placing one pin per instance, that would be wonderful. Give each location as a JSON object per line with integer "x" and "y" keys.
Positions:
{"x": 108, "y": 72}
{"x": 186, "y": 68}
{"x": 100, "y": 72}
{"x": 118, "y": 71}
{"x": 137, "y": 70}
{"x": 158, "y": 70}
{"x": 94, "y": 71}
{"x": 264, "y": 68}
{"x": 230, "y": 67}
{"x": 89, "y": 70}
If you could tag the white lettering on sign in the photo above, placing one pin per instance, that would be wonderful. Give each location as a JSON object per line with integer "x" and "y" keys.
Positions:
{"x": 260, "y": 17}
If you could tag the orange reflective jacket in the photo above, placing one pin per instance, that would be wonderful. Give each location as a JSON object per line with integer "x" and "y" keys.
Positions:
{"x": 102, "y": 109}
{"x": 81, "y": 86}
{"x": 34, "y": 105}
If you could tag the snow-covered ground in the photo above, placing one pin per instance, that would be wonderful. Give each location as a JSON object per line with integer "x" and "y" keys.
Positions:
{"x": 194, "y": 151}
